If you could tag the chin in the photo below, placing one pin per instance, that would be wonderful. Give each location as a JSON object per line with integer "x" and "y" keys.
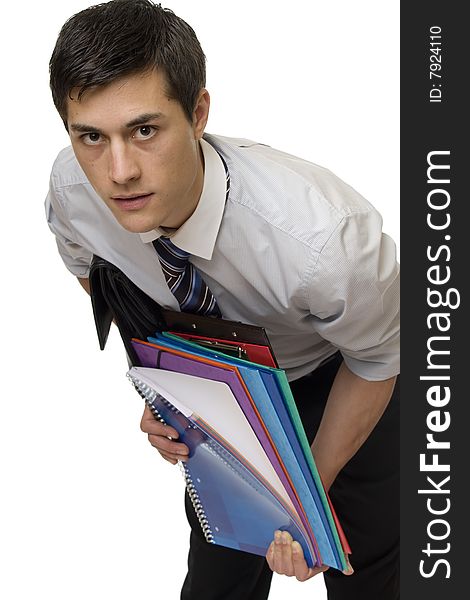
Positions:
{"x": 137, "y": 225}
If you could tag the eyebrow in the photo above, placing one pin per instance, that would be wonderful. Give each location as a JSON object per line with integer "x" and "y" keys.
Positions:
{"x": 139, "y": 120}
{"x": 144, "y": 118}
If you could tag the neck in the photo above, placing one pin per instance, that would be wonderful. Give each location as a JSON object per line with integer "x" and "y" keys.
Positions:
{"x": 196, "y": 190}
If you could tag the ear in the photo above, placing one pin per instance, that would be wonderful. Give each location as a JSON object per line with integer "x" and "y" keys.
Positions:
{"x": 201, "y": 113}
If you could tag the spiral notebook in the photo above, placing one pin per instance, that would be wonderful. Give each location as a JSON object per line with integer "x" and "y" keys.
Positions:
{"x": 235, "y": 507}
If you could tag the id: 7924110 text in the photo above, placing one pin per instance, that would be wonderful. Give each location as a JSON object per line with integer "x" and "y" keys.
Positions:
{"x": 435, "y": 63}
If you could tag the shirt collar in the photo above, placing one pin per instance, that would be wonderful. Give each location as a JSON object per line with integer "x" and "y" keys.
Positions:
{"x": 198, "y": 234}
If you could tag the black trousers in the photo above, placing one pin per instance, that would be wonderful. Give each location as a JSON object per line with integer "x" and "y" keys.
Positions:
{"x": 365, "y": 496}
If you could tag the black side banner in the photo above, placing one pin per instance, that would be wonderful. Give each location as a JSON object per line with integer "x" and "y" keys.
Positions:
{"x": 435, "y": 426}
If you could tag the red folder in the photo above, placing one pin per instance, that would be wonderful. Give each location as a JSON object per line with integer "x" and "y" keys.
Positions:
{"x": 256, "y": 353}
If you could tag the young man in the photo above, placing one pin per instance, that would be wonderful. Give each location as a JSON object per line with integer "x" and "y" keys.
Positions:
{"x": 279, "y": 242}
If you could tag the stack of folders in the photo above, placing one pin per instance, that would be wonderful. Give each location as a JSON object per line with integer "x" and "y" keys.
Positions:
{"x": 250, "y": 469}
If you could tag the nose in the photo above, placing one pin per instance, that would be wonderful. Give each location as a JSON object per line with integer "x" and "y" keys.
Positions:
{"x": 123, "y": 166}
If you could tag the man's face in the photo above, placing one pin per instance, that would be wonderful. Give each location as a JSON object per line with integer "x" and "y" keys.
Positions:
{"x": 139, "y": 150}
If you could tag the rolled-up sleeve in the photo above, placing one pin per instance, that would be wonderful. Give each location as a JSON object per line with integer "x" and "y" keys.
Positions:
{"x": 76, "y": 258}
{"x": 352, "y": 290}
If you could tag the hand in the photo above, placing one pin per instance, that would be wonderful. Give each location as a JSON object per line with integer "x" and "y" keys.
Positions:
{"x": 286, "y": 557}
{"x": 161, "y": 437}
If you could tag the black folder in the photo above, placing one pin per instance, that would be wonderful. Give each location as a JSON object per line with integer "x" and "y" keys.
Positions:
{"x": 115, "y": 297}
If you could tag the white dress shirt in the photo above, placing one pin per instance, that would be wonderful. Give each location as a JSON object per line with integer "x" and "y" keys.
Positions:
{"x": 294, "y": 250}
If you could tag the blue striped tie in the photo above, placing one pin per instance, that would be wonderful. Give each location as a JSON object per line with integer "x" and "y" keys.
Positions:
{"x": 184, "y": 281}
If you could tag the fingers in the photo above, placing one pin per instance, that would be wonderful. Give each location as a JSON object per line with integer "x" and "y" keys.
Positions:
{"x": 279, "y": 557}
{"x": 349, "y": 570}
{"x": 161, "y": 437}
{"x": 283, "y": 553}
{"x": 149, "y": 424}
{"x": 169, "y": 447}
{"x": 286, "y": 557}
{"x": 171, "y": 458}
{"x": 301, "y": 569}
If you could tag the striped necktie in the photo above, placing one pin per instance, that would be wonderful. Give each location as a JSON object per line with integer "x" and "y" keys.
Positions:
{"x": 184, "y": 280}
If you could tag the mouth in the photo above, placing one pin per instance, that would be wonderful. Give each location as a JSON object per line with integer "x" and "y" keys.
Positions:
{"x": 132, "y": 201}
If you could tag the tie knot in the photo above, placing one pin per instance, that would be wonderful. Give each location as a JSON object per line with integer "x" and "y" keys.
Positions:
{"x": 184, "y": 280}
{"x": 174, "y": 257}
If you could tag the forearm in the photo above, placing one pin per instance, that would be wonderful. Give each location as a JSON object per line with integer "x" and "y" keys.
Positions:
{"x": 353, "y": 409}
{"x": 85, "y": 283}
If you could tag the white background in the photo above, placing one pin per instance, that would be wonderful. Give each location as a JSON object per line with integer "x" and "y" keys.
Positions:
{"x": 89, "y": 510}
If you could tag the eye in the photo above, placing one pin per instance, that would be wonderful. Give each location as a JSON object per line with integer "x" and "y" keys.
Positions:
{"x": 144, "y": 132}
{"x": 91, "y": 138}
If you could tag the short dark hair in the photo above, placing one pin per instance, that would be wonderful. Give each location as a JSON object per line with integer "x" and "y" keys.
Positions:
{"x": 107, "y": 41}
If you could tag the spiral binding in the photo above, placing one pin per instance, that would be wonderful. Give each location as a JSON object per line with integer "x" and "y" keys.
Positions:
{"x": 150, "y": 395}
{"x": 197, "y": 504}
